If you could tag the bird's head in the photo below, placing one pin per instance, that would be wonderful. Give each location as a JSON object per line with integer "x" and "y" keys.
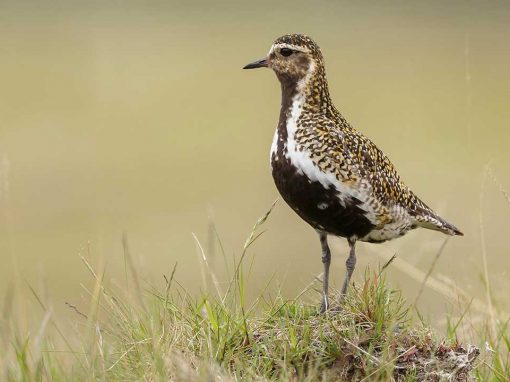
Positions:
{"x": 293, "y": 57}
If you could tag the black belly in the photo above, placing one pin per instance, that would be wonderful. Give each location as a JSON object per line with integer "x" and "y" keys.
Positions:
{"x": 305, "y": 197}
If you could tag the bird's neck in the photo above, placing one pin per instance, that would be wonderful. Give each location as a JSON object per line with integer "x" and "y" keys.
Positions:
{"x": 309, "y": 95}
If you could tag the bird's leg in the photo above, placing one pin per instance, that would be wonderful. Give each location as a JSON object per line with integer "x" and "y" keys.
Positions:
{"x": 326, "y": 260}
{"x": 350, "y": 264}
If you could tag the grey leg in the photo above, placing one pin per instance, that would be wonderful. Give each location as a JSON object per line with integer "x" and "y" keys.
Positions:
{"x": 350, "y": 264}
{"x": 326, "y": 260}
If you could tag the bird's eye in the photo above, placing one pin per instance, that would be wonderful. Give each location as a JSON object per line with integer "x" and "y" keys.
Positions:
{"x": 286, "y": 52}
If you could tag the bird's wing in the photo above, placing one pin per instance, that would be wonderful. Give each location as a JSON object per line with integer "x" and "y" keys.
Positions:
{"x": 357, "y": 160}
{"x": 374, "y": 167}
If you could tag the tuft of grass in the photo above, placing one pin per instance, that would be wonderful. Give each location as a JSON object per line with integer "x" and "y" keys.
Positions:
{"x": 150, "y": 334}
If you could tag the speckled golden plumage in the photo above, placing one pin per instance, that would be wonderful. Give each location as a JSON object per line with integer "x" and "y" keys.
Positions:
{"x": 330, "y": 174}
{"x": 338, "y": 148}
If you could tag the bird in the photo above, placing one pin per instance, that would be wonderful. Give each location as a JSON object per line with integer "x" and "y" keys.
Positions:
{"x": 335, "y": 178}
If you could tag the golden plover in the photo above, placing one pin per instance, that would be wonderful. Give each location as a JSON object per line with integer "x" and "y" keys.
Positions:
{"x": 331, "y": 175}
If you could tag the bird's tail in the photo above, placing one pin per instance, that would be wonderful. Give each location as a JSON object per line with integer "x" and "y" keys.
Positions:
{"x": 432, "y": 221}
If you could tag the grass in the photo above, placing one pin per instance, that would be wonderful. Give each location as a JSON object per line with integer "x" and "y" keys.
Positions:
{"x": 133, "y": 334}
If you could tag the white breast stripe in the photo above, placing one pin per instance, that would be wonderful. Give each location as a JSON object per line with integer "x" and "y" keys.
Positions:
{"x": 303, "y": 162}
{"x": 274, "y": 147}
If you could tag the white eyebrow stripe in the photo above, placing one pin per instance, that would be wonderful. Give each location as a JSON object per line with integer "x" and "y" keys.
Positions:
{"x": 283, "y": 45}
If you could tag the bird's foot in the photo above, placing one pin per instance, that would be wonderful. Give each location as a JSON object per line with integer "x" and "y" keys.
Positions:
{"x": 335, "y": 308}
{"x": 339, "y": 306}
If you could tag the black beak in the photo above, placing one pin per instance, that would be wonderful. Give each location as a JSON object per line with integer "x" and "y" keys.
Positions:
{"x": 257, "y": 64}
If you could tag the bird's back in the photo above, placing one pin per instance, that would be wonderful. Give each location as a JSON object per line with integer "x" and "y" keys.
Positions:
{"x": 359, "y": 164}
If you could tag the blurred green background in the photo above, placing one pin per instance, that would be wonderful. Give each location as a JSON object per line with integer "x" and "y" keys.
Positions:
{"x": 136, "y": 116}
